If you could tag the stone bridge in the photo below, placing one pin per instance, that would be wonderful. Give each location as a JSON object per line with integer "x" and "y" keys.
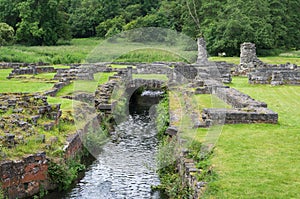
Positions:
{"x": 146, "y": 83}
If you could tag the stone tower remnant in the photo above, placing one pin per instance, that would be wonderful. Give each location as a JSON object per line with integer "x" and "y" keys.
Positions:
{"x": 248, "y": 58}
{"x": 202, "y": 53}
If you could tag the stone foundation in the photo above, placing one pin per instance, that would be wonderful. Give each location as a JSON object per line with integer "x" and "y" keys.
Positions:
{"x": 276, "y": 75}
{"x": 239, "y": 116}
{"x": 31, "y": 70}
{"x": 6, "y": 65}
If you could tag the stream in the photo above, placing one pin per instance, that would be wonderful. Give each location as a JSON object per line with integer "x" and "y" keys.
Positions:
{"x": 126, "y": 166}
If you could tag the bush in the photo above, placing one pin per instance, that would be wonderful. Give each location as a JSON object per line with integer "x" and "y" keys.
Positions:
{"x": 63, "y": 174}
{"x": 6, "y": 34}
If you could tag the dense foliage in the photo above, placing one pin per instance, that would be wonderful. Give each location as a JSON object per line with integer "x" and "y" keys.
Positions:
{"x": 225, "y": 24}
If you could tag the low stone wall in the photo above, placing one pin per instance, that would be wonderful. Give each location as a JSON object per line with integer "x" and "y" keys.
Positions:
{"x": 239, "y": 116}
{"x": 278, "y": 75}
{"x": 244, "y": 110}
{"x": 238, "y": 99}
{"x": 6, "y": 65}
{"x": 74, "y": 74}
{"x": 153, "y": 69}
{"x": 187, "y": 170}
{"x": 31, "y": 70}
{"x": 56, "y": 88}
{"x": 25, "y": 177}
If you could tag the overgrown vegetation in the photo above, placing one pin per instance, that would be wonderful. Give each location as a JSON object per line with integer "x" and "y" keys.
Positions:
{"x": 162, "y": 118}
{"x": 64, "y": 173}
{"x": 171, "y": 182}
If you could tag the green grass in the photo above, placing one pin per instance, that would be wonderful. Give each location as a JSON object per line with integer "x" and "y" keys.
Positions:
{"x": 95, "y": 50}
{"x": 209, "y": 101}
{"x": 150, "y": 55}
{"x": 150, "y": 76}
{"x": 124, "y": 51}
{"x": 291, "y": 54}
{"x": 14, "y": 85}
{"x": 85, "y": 86}
{"x": 45, "y": 75}
{"x": 261, "y": 160}
{"x": 66, "y": 104}
{"x": 76, "y": 52}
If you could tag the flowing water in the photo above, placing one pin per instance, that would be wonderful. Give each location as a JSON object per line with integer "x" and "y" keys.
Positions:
{"x": 126, "y": 166}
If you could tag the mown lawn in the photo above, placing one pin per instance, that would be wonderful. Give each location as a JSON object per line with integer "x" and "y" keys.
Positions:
{"x": 14, "y": 85}
{"x": 85, "y": 86}
{"x": 261, "y": 160}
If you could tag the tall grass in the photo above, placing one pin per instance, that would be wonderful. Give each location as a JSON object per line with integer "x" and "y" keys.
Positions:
{"x": 75, "y": 52}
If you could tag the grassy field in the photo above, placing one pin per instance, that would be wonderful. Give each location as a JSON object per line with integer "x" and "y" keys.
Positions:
{"x": 96, "y": 50}
{"x": 87, "y": 86}
{"x": 75, "y": 52}
{"x": 14, "y": 85}
{"x": 261, "y": 160}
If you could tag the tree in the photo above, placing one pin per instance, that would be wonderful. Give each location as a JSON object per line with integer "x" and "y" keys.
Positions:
{"x": 41, "y": 22}
{"x": 110, "y": 27}
{"x": 6, "y": 34}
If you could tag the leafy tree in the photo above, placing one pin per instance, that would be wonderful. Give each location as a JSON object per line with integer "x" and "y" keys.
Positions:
{"x": 110, "y": 27}
{"x": 41, "y": 22}
{"x": 6, "y": 34}
{"x": 9, "y": 12}
{"x": 292, "y": 22}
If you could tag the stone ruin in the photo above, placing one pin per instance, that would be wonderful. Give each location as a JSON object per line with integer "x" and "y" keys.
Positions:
{"x": 202, "y": 53}
{"x": 248, "y": 59}
{"x": 30, "y": 70}
{"x": 6, "y": 65}
{"x": 21, "y": 113}
{"x": 74, "y": 74}
{"x": 262, "y": 73}
{"x": 208, "y": 78}
{"x": 276, "y": 75}
{"x": 244, "y": 109}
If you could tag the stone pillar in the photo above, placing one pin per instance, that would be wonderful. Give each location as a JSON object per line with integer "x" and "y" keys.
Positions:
{"x": 248, "y": 53}
{"x": 248, "y": 59}
{"x": 129, "y": 73}
{"x": 202, "y": 53}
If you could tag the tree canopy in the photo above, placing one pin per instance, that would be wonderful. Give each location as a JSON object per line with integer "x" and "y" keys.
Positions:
{"x": 225, "y": 24}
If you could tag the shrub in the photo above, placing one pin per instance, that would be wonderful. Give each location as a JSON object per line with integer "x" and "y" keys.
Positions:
{"x": 6, "y": 34}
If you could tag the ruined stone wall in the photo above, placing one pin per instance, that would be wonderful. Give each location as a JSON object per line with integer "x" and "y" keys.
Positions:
{"x": 153, "y": 69}
{"x": 276, "y": 75}
{"x": 238, "y": 99}
{"x": 57, "y": 87}
{"x": 25, "y": 177}
{"x": 239, "y": 116}
{"x": 6, "y": 65}
{"x": 74, "y": 74}
{"x": 244, "y": 110}
{"x": 31, "y": 70}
